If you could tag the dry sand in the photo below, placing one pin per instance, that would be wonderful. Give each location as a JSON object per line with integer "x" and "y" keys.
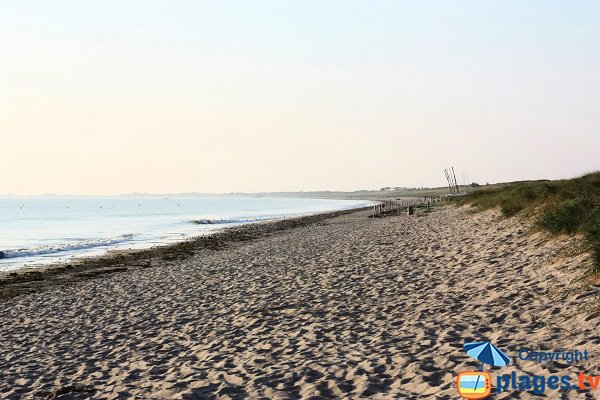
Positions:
{"x": 346, "y": 307}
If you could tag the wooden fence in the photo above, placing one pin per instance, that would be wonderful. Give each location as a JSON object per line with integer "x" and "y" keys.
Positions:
{"x": 403, "y": 205}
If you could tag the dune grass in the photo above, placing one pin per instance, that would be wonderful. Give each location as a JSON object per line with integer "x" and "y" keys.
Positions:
{"x": 570, "y": 206}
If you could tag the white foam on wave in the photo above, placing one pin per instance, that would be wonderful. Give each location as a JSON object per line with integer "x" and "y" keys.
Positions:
{"x": 216, "y": 221}
{"x": 57, "y": 248}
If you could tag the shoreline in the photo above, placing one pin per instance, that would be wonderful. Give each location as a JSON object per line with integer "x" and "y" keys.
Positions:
{"x": 43, "y": 277}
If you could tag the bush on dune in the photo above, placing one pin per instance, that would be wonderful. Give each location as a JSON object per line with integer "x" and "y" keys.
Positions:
{"x": 568, "y": 206}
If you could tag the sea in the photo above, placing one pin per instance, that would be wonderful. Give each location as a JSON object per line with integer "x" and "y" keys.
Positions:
{"x": 36, "y": 231}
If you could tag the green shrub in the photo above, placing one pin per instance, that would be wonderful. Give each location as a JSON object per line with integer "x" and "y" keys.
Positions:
{"x": 511, "y": 205}
{"x": 566, "y": 216}
{"x": 562, "y": 207}
{"x": 591, "y": 228}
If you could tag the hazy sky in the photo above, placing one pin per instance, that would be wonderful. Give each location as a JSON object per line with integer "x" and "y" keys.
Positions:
{"x": 106, "y": 97}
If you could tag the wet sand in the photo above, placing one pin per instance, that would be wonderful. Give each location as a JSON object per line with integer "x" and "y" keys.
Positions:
{"x": 335, "y": 306}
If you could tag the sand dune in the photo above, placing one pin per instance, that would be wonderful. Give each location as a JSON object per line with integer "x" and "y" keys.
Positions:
{"x": 348, "y": 307}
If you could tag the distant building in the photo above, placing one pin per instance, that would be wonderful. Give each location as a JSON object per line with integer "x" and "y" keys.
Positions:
{"x": 391, "y": 189}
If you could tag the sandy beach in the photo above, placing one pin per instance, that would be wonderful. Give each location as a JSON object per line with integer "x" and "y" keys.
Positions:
{"x": 340, "y": 306}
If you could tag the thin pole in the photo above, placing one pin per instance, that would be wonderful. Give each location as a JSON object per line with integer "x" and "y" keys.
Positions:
{"x": 455, "y": 183}
{"x": 448, "y": 180}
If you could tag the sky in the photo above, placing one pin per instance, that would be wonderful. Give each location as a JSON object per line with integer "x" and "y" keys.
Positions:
{"x": 110, "y": 97}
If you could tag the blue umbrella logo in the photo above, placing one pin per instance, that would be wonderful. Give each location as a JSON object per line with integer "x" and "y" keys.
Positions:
{"x": 477, "y": 385}
{"x": 486, "y": 353}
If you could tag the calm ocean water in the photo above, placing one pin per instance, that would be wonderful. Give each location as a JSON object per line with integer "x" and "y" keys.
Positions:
{"x": 43, "y": 230}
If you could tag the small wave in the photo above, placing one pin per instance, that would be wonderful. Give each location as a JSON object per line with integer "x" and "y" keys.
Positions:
{"x": 231, "y": 220}
{"x": 56, "y": 248}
